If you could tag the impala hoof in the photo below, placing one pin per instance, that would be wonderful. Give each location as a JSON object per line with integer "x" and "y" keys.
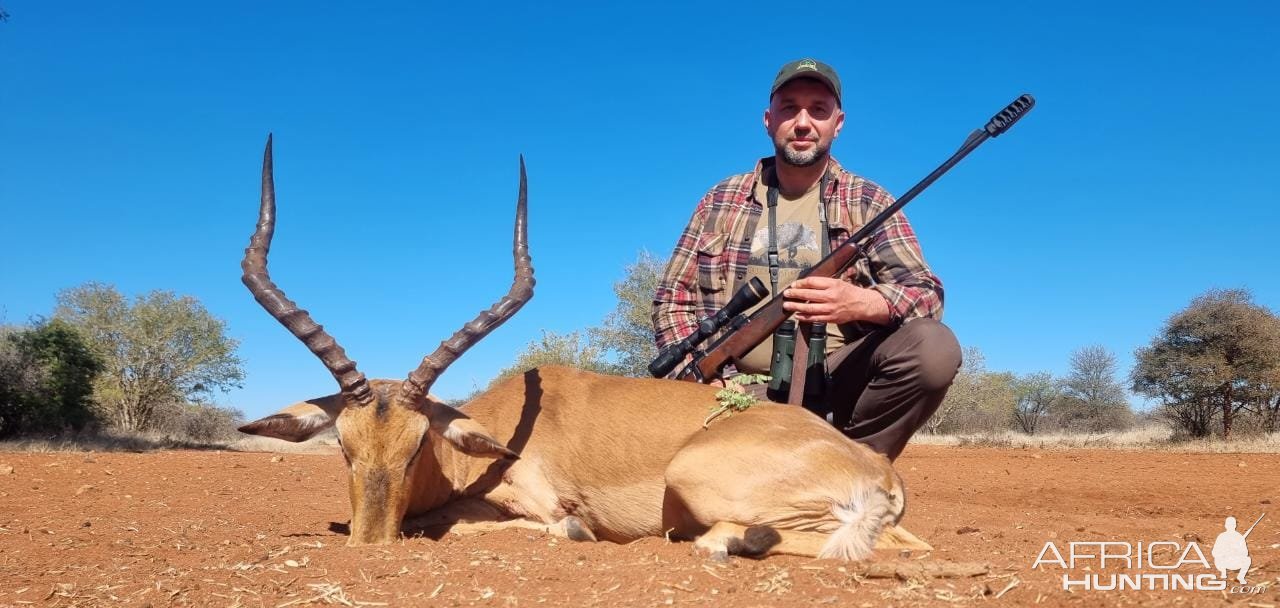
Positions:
{"x": 757, "y": 540}
{"x": 575, "y": 529}
{"x": 719, "y": 557}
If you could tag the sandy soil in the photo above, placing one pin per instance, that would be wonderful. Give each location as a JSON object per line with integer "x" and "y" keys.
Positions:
{"x": 236, "y": 529}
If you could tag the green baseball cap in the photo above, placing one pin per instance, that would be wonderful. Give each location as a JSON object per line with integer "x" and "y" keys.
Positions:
{"x": 807, "y": 68}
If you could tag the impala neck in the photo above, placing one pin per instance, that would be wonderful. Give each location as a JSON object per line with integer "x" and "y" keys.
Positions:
{"x": 444, "y": 473}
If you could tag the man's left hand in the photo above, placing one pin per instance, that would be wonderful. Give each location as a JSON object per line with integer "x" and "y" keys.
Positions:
{"x": 828, "y": 300}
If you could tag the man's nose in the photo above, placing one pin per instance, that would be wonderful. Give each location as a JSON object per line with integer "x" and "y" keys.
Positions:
{"x": 803, "y": 120}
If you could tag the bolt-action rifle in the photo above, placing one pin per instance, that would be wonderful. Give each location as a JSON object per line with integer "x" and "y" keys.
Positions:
{"x": 745, "y": 334}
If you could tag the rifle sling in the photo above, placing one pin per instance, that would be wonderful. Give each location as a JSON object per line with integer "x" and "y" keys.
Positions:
{"x": 800, "y": 364}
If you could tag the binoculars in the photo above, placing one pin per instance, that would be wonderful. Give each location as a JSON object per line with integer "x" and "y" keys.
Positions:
{"x": 782, "y": 365}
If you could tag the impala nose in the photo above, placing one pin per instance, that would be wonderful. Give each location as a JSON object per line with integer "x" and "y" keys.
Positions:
{"x": 374, "y": 516}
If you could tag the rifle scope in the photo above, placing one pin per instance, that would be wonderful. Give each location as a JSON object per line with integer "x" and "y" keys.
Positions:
{"x": 747, "y": 296}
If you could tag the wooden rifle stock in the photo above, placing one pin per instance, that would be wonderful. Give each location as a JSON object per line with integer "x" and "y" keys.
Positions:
{"x": 743, "y": 337}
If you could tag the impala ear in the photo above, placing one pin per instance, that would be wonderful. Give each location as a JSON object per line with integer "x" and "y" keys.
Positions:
{"x": 466, "y": 434}
{"x": 300, "y": 421}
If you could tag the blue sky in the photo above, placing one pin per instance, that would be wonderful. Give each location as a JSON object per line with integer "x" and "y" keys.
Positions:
{"x": 131, "y": 137}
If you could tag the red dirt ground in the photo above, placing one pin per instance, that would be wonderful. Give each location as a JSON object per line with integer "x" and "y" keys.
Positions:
{"x": 253, "y": 529}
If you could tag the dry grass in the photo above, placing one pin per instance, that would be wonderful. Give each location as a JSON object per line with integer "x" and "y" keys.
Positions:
{"x": 118, "y": 441}
{"x": 324, "y": 442}
{"x": 1150, "y": 437}
{"x": 107, "y": 441}
{"x": 1153, "y": 437}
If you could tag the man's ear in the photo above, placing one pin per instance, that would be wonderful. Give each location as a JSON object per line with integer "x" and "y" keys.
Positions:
{"x": 469, "y": 436}
{"x": 300, "y": 421}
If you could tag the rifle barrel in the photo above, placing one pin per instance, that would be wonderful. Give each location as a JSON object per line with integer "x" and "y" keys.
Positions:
{"x": 997, "y": 125}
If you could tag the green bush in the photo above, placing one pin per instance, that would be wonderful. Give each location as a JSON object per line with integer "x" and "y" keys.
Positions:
{"x": 46, "y": 379}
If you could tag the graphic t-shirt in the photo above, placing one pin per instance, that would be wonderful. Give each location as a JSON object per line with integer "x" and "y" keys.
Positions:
{"x": 799, "y": 231}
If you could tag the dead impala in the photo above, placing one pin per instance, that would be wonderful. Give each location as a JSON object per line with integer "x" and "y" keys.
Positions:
{"x": 580, "y": 455}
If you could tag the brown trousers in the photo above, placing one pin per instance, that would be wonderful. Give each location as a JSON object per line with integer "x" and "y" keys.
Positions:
{"x": 885, "y": 385}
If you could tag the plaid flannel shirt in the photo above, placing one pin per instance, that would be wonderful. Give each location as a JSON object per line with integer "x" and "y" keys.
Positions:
{"x": 712, "y": 254}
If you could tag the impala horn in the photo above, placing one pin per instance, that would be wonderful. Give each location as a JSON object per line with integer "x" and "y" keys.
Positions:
{"x": 295, "y": 319}
{"x": 420, "y": 380}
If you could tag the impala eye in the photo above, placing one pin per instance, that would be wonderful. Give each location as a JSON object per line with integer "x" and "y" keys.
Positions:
{"x": 343, "y": 449}
{"x": 412, "y": 459}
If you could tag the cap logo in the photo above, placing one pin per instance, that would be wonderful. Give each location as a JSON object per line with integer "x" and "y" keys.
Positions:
{"x": 807, "y": 64}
